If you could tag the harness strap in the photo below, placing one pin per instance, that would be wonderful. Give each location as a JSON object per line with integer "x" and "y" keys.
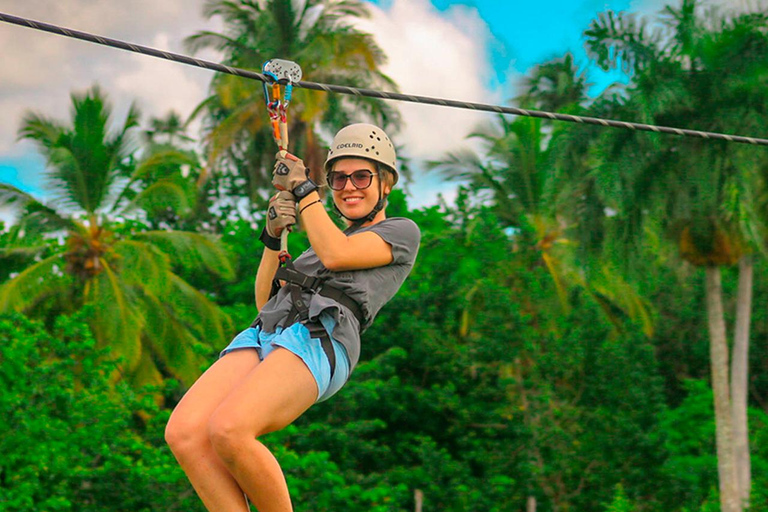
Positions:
{"x": 316, "y": 330}
{"x": 289, "y": 273}
{"x": 296, "y": 279}
{"x": 343, "y": 299}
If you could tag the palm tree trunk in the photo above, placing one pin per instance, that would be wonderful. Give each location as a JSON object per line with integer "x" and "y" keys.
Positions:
{"x": 729, "y": 490}
{"x": 739, "y": 378}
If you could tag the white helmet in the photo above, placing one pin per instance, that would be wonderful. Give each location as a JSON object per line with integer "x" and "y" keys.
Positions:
{"x": 363, "y": 140}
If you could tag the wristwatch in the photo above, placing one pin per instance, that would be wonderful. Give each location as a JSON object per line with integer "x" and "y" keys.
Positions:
{"x": 303, "y": 189}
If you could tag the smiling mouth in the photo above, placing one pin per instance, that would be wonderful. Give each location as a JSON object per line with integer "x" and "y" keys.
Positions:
{"x": 349, "y": 200}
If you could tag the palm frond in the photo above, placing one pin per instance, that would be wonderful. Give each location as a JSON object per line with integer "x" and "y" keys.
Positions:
{"x": 142, "y": 264}
{"x": 620, "y": 39}
{"x": 191, "y": 251}
{"x": 147, "y": 372}
{"x": 162, "y": 196}
{"x": 205, "y": 39}
{"x": 116, "y": 322}
{"x": 42, "y": 130}
{"x": 44, "y": 217}
{"x": 615, "y": 294}
{"x": 198, "y": 314}
{"x": 35, "y": 283}
{"x": 462, "y": 164}
{"x": 170, "y": 343}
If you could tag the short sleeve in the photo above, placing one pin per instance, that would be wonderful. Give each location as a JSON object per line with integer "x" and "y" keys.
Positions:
{"x": 403, "y": 235}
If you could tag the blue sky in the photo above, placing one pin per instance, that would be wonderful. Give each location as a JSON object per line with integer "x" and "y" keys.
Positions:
{"x": 528, "y": 33}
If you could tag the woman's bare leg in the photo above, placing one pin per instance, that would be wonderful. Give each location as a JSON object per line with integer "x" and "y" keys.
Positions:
{"x": 187, "y": 432}
{"x": 271, "y": 397}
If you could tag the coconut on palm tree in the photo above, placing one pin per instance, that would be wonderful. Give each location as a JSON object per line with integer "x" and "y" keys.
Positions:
{"x": 149, "y": 316}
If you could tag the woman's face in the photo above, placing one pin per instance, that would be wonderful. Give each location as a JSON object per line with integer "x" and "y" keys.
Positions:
{"x": 352, "y": 201}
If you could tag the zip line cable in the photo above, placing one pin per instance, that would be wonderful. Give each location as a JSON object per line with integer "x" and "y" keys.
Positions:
{"x": 371, "y": 93}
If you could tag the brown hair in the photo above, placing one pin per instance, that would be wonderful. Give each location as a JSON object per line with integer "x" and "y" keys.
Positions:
{"x": 386, "y": 176}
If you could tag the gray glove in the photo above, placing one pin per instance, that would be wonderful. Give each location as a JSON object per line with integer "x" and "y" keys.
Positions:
{"x": 290, "y": 173}
{"x": 281, "y": 213}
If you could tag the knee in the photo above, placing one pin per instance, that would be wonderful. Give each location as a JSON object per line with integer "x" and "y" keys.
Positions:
{"x": 184, "y": 436}
{"x": 226, "y": 437}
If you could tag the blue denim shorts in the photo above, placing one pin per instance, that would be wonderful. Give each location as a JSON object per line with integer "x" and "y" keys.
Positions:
{"x": 296, "y": 338}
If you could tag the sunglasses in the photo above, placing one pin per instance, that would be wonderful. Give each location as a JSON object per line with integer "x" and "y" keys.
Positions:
{"x": 360, "y": 179}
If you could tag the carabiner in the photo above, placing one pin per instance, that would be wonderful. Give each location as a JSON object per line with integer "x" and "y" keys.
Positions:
{"x": 285, "y": 73}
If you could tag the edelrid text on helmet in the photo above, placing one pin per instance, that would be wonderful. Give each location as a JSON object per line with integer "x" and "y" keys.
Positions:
{"x": 363, "y": 140}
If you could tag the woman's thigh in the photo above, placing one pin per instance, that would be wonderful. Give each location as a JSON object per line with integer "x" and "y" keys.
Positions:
{"x": 279, "y": 390}
{"x": 209, "y": 391}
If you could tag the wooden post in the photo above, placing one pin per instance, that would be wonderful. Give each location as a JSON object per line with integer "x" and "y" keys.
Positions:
{"x": 418, "y": 498}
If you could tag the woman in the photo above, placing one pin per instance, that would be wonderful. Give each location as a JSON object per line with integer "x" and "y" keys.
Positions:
{"x": 305, "y": 341}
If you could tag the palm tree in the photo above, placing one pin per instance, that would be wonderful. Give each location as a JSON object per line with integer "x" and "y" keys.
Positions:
{"x": 531, "y": 183}
{"x": 141, "y": 308}
{"x": 701, "y": 194}
{"x": 557, "y": 85}
{"x": 165, "y": 130}
{"x": 317, "y": 35}
{"x": 523, "y": 172}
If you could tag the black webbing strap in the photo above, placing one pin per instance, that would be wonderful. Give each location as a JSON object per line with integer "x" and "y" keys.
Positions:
{"x": 316, "y": 330}
{"x": 345, "y": 300}
{"x": 289, "y": 274}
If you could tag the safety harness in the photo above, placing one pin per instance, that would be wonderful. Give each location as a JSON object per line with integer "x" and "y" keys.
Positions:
{"x": 299, "y": 283}
{"x": 283, "y": 72}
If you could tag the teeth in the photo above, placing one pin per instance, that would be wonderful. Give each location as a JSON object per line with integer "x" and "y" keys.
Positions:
{"x": 352, "y": 199}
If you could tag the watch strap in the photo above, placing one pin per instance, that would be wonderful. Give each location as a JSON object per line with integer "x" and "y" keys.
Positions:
{"x": 303, "y": 189}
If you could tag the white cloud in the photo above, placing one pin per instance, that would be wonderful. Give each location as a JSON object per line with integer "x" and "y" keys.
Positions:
{"x": 39, "y": 71}
{"x": 434, "y": 54}
{"x": 441, "y": 55}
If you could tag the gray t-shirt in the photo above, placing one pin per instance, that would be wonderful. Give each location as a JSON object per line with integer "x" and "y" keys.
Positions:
{"x": 371, "y": 288}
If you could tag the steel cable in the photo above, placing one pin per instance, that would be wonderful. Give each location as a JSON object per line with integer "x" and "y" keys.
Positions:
{"x": 371, "y": 93}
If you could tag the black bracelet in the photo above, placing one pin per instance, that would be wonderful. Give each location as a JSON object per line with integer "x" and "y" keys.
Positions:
{"x": 268, "y": 240}
{"x": 308, "y": 205}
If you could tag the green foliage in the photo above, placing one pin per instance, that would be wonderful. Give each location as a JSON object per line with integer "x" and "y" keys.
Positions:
{"x": 71, "y": 440}
{"x": 620, "y": 503}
